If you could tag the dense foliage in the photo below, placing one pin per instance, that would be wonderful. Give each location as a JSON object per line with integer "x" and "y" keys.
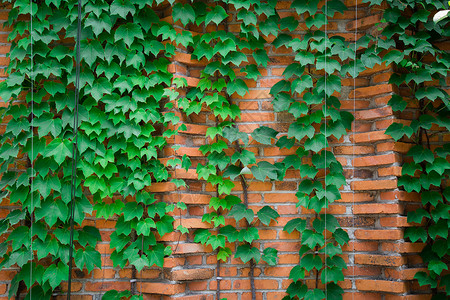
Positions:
{"x": 413, "y": 42}
{"x": 130, "y": 106}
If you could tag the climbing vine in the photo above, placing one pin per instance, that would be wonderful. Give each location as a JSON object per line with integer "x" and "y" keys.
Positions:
{"x": 130, "y": 106}
{"x": 410, "y": 40}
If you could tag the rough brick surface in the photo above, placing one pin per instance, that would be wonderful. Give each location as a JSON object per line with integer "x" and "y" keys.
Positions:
{"x": 381, "y": 265}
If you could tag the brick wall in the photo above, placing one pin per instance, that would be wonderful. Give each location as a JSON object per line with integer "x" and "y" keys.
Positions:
{"x": 372, "y": 210}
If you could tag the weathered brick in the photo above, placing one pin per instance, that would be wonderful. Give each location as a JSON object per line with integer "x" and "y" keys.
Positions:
{"x": 380, "y": 260}
{"x": 161, "y": 288}
{"x": 377, "y": 160}
{"x": 378, "y": 208}
{"x": 381, "y": 286}
{"x": 189, "y": 274}
{"x": 380, "y": 234}
{"x": 368, "y": 185}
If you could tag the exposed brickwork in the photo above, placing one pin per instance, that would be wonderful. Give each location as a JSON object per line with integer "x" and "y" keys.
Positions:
{"x": 372, "y": 210}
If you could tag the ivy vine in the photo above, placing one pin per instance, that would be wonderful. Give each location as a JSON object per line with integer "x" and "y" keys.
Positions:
{"x": 130, "y": 106}
{"x": 410, "y": 41}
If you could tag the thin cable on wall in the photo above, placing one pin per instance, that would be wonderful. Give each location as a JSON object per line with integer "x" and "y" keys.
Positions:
{"x": 32, "y": 147}
{"x": 325, "y": 156}
{"x": 354, "y": 132}
{"x": 74, "y": 148}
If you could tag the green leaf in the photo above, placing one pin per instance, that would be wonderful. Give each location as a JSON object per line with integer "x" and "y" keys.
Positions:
{"x": 54, "y": 274}
{"x": 122, "y": 8}
{"x": 89, "y": 257}
{"x": 311, "y": 239}
{"x": 184, "y": 13}
{"x": 246, "y": 253}
{"x": 165, "y": 225}
{"x": 297, "y": 273}
{"x": 261, "y": 57}
{"x": 315, "y": 294}
{"x": 266, "y": 214}
{"x": 59, "y": 149}
{"x": 295, "y": 224}
{"x": 128, "y": 33}
{"x": 239, "y": 212}
{"x": 424, "y": 279}
{"x": 19, "y": 236}
{"x": 216, "y": 241}
{"x": 437, "y": 266}
{"x": 299, "y": 131}
{"x": 216, "y": 15}
{"x": 311, "y": 261}
{"x": 264, "y": 135}
{"x": 416, "y": 233}
{"x": 264, "y": 169}
{"x": 298, "y": 288}
{"x": 201, "y": 236}
{"x": 53, "y": 87}
{"x": 270, "y": 256}
{"x": 420, "y": 154}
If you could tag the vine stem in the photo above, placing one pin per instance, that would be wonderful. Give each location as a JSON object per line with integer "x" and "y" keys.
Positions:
{"x": 245, "y": 194}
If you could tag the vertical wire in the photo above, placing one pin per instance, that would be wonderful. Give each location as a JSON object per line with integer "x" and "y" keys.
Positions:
{"x": 32, "y": 146}
{"x": 74, "y": 148}
{"x": 354, "y": 132}
{"x": 325, "y": 157}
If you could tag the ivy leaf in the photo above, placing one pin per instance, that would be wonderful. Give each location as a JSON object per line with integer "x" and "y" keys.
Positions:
{"x": 89, "y": 235}
{"x": 216, "y": 15}
{"x": 299, "y": 131}
{"x": 216, "y": 241}
{"x": 237, "y": 86}
{"x": 311, "y": 261}
{"x": 139, "y": 261}
{"x": 223, "y": 254}
{"x": 261, "y": 57}
{"x": 202, "y": 235}
{"x": 424, "y": 279}
{"x": 264, "y": 135}
{"x": 89, "y": 257}
{"x": 270, "y": 256}
{"x": 19, "y": 236}
{"x": 128, "y": 33}
{"x": 437, "y": 266}
{"x": 59, "y": 149}
{"x": 122, "y": 8}
{"x": 298, "y": 288}
{"x": 420, "y": 154}
{"x": 246, "y": 253}
{"x": 341, "y": 236}
{"x": 55, "y": 274}
{"x": 184, "y": 13}
{"x": 311, "y": 239}
{"x": 393, "y": 56}
{"x": 264, "y": 169}
{"x": 53, "y": 87}
{"x": 295, "y": 224}
{"x": 266, "y": 214}
{"x": 297, "y": 273}
{"x": 315, "y": 294}
{"x": 416, "y": 233}
{"x": 165, "y": 225}
{"x": 417, "y": 215}
{"x": 239, "y": 212}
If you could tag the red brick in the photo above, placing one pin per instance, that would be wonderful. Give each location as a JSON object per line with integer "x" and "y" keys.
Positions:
{"x": 161, "y": 288}
{"x": 375, "y": 113}
{"x": 367, "y": 185}
{"x": 392, "y": 234}
{"x": 378, "y": 208}
{"x": 380, "y": 260}
{"x": 190, "y": 274}
{"x": 381, "y": 286}
{"x": 367, "y": 92}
